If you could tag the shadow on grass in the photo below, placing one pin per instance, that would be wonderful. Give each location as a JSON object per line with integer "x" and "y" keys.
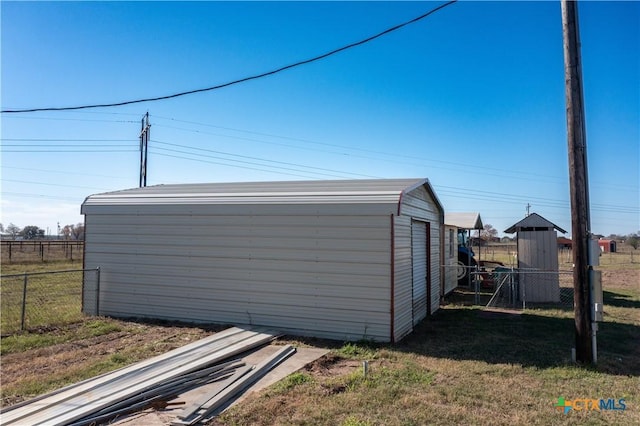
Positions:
{"x": 520, "y": 338}
{"x": 619, "y": 300}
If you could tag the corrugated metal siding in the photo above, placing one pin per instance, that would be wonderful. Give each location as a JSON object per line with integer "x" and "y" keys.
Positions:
{"x": 419, "y": 267}
{"x": 309, "y": 258}
{"x": 450, "y": 258}
{"x": 416, "y": 204}
{"x": 403, "y": 323}
{"x": 538, "y": 250}
{"x": 419, "y": 204}
{"x": 289, "y": 192}
{"x": 90, "y": 284}
{"x": 325, "y": 274}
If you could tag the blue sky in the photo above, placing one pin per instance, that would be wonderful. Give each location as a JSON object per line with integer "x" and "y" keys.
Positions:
{"x": 471, "y": 97}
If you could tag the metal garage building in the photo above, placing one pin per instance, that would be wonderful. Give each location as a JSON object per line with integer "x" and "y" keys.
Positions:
{"x": 345, "y": 260}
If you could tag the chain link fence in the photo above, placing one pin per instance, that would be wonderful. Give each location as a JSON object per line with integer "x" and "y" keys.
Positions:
{"x": 529, "y": 288}
{"x": 42, "y": 299}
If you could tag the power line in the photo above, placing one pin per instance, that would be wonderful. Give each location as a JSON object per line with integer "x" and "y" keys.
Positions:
{"x": 233, "y": 165}
{"x": 68, "y": 119}
{"x": 69, "y": 150}
{"x": 466, "y": 166}
{"x": 52, "y": 197}
{"x": 249, "y": 162}
{"x": 40, "y": 145}
{"x": 261, "y": 159}
{"x": 454, "y": 192}
{"x": 242, "y": 80}
{"x": 547, "y": 202}
{"x": 64, "y": 172}
{"x": 51, "y": 184}
{"x": 64, "y": 140}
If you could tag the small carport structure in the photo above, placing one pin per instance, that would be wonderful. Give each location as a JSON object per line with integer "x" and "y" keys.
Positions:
{"x": 345, "y": 260}
{"x": 457, "y": 262}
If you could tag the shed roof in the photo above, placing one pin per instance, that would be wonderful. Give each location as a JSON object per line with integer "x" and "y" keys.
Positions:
{"x": 469, "y": 220}
{"x": 281, "y": 192}
{"x": 534, "y": 220}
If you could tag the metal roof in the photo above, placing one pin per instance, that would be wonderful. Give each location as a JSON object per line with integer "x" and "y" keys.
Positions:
{"x": 469, "y": 220}
{"x": 282, "y": 192}
{"x": 534, "y": 220}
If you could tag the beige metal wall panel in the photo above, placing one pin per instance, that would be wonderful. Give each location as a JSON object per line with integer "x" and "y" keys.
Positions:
{"x": 450, "y": 259}
{"x": 538, "y": 252}
{"x": 402, "y": 309}
{"x": 310, "y": 258}
{"x": 206, "y": 209}
{"x": 421, "y": 204}
{"x": 326, "y": 273}
{"x": 419, "y": 268}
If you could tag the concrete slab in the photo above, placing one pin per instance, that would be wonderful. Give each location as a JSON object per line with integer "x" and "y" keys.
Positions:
{"x": 302, "y": 357}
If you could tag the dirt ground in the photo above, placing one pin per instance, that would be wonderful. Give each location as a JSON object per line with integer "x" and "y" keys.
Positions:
{"x": 142, "y": 340}
{"x": 621, "y": 279}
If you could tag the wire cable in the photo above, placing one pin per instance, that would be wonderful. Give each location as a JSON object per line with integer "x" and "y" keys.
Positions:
{"x": 242, "y": 80}
{"x": 261, "y": 159}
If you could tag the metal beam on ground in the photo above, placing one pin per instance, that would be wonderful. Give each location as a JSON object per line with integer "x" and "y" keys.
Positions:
{"x": 79, "y": 401}
{"x": 221, "y": 398}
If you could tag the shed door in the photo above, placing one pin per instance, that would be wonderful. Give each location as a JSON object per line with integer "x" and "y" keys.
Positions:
{"x": 419, "y": 267}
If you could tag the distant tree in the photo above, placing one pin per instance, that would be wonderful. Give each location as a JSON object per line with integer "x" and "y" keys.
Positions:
{"x": 78, "y": 231}
{"x": 633, "y": 240}
{"x": 1, "y": 228}
{"x": 66, "y": 232}
{"x": 75, "y": 232}
{"x": 489, "y": 233}
{"x": 32, "y": 232}
{"x": 13, "y": 230}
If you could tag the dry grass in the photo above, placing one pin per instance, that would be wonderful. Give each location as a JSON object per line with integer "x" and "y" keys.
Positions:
{"x": 469, "y": 366}
{"x": 462, "y": 366}
{"x": 34, "y": 251}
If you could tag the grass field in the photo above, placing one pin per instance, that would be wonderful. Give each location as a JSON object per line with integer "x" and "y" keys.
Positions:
{"x": 50, "y": 299}
{"x": 33, "y": 251}
{"x": 464, "y": 365}
{"x": 471, "y": 366}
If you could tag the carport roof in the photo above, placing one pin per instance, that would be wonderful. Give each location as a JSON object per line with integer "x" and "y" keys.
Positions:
{"x": 279, "y": 192}
{"x": 469, "y": 220}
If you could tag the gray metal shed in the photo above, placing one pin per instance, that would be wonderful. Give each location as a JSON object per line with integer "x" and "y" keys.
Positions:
{"x": 537, "y": 252}
{"x": 343, "y": 260}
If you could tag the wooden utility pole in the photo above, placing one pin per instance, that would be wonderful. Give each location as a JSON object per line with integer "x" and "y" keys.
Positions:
{"x": 144, "y": 144}
{"x": 578, "y": 182}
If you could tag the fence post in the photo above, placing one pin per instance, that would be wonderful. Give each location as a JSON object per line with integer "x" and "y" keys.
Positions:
{"x": 12, "y": 244}
{"x": 24, "y": 302}
{"x": 98, "y": 291}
